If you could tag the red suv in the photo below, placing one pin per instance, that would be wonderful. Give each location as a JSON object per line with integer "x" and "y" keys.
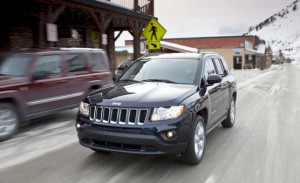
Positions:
{"x": 35, "y": 83}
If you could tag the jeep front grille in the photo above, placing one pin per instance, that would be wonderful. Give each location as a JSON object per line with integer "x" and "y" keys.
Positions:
{"x": 130, "y": 116}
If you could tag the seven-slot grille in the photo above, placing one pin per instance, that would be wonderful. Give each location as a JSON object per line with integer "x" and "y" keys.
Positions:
{"x": 112, "y": 115}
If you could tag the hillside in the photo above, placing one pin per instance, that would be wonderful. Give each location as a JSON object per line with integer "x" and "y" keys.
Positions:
{"x": 282, "y": 31}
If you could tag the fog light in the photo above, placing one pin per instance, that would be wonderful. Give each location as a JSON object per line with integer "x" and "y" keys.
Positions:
{"x": 170, "y": 134}
{"x": 78, "y": 125}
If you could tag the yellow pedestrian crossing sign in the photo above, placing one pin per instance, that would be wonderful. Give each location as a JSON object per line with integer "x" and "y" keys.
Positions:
{"x": 153, "y": 31}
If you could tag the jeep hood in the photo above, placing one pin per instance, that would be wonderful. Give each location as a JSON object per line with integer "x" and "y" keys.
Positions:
{"x": 144, "y": 94}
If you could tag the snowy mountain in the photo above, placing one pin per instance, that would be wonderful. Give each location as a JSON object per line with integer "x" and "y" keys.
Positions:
{"x": 282, "y": 31}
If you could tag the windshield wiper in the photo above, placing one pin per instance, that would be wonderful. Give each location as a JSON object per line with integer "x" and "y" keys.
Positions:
{"x": 160, "y": 80}
{"x": 129, "y": 80}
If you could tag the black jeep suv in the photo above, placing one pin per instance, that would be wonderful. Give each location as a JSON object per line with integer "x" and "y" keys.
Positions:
{"x": 161, "y": 104}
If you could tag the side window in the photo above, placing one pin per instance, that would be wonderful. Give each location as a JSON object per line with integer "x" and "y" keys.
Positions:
{"x": 97, "y": 62}
{"x": 51, "y": 64}
{"x": 76, "y": 62}
{"x": 219, "y": 66}
{"x": 209, "y": 68}
{"x": 225, "y": 66}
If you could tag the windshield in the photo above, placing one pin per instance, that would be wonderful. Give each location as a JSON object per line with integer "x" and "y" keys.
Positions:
{"x": 179, "y": 71}
{"x": 13, "y": 64}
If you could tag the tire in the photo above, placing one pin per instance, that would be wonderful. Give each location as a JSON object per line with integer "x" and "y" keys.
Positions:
{"x": 196, "y": 146}
{"x": 9, "y": 121}
{"x": 230, "y": 119}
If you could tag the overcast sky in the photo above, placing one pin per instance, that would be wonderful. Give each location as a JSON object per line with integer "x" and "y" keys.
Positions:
{"x": 203, "y": 18}
{"x": 199, "y": 18}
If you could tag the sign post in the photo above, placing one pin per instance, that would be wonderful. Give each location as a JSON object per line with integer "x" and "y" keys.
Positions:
{"x": 153, "y": 32}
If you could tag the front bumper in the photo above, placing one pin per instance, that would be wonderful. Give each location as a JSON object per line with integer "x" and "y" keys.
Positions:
{"x": 136, "y": 140}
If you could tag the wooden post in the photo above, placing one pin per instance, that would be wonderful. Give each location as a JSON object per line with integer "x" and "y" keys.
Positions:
{"x": 151, "y": 11}
{"x": 50, "y": 43}
{"x": 99, "y": 26}
{"x": 102, "y": 23}
{"x": 111, "y": 47}
{"x": 136, "y": 31}
{"x": 136, "y": 45}
{"x": 136, "y": 5}
{"x": 41, "y": 33}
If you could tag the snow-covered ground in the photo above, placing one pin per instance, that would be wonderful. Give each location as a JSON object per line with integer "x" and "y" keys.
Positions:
{"x": 284, "y": 32}
{"x": 246, "y": 76}
{"x": 38, "y": 139}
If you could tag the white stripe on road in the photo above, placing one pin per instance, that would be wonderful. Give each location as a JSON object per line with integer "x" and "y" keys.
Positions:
{"x": 211, "y": 179}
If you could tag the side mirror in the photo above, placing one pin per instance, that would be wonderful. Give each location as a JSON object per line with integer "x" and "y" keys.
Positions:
{"x": 116, "y": 77}
{"x": 39, "y": 75}
{"x": 214, "y": 78}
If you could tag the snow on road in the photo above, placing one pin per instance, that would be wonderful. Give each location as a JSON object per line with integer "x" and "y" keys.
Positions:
{"x": 36, "y": 142}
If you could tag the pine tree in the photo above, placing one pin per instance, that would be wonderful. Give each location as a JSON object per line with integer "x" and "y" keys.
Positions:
{"x": 295, "y": 7}
{"x": 281, "y": 56}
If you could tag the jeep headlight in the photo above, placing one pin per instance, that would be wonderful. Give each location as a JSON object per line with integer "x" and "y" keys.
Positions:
{"x": 84, "y": 108}
{"x": 165, "y": 113}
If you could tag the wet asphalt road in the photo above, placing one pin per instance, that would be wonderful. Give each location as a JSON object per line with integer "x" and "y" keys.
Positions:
{"x": 262, "y": 147}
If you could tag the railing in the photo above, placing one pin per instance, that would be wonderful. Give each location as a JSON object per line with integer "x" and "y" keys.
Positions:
{"x": 144, "y": 6}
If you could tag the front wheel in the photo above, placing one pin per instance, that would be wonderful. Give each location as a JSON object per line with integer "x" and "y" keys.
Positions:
{"x": 196, "y": 146}
{"x": 229, "y": 121}
{"x": 9, "y": 121}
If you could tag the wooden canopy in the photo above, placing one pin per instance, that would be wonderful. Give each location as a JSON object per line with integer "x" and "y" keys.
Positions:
{"x": 26, "y": 20}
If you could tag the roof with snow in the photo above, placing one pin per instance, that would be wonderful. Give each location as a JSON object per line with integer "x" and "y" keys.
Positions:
{"x": 163, "y": 44}
{"x": 126, "y": 49}
{"x": 261, "y": 49}
{"x": 177, "y": 47}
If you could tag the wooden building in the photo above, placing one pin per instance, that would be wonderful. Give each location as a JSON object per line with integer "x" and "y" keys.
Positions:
{"x": 69, "y": 23}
